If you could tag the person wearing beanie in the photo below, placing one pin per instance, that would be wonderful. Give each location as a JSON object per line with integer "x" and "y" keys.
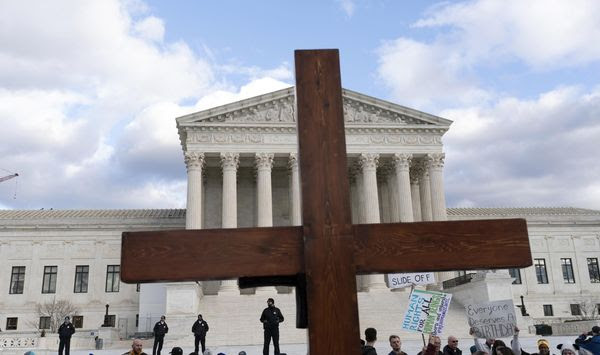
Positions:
{"x": 543, "y": 347}
{"x": 566, "y": 349}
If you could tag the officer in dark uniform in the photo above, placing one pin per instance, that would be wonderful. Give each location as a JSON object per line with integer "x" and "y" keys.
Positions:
{"x": 270, "y": 318}
{"x": 160, "y": 329}
{"x": 64, "y": 335}
{"x": 199, "y": 329}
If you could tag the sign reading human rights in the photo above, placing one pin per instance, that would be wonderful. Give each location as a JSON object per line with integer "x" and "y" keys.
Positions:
{"x": 409, "y": 279}
{"x": 426, "y": 311}
{"x": 494, "y": 319}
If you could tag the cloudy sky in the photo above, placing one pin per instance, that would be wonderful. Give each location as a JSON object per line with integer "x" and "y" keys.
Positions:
{"x": 89, "y": 89}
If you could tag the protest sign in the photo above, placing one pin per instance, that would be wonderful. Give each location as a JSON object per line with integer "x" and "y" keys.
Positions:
{"x": 426, "y": 311}
{"x": 409, "y": 279}
{"x": 494, "y": 319}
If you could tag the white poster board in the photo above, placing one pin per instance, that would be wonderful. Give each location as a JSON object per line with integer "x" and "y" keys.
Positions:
{"x": 409, "y": 279}
{"x": 494, "y": 319}
{"x": 426, "y": 312}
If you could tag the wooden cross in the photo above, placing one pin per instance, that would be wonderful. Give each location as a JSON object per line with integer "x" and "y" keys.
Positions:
{"x": 328, "y": 249}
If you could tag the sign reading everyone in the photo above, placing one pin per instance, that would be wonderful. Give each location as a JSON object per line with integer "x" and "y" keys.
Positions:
{"x": 494, "y": 319}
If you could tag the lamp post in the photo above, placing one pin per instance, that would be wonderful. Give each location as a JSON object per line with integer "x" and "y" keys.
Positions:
{"x": 523, "y": 310}
{"x": 106, "y": 318}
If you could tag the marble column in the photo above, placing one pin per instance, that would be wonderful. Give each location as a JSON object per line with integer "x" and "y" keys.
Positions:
{"x": 264, "y": 165}
{"x": 435, "y": 164}
{"x": 402, "y": 168}
{"x": 368, "y": 163}
{"x": 425, "y": 192}
{"x": 415, "y": 194}
{"x": 194, "y": 162}
{"x": 295, "y": 205}
{"x": 384, "y": 194}
{"x": 394, "y": 196}
{"x": 229, "y": 165}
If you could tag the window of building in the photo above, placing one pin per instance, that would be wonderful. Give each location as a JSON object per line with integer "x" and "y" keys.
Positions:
{"x": 137, "y": 287}
{"x": 137, "y": 320}
{"x": 49, "y": 280}
{"x": 112, "y": 278}
{"x": 17, "y": 280}
{"x": 110, "y": 320}
{"x": 78, "y": 321}
{"x": 44, "y": 323}
{"x": 81, "y": 278}
{"x": 548, "y": 311}
{"x": 515, "y": 274}
{"x": 575, "y": 310}
{"x": 540, "y": 271}
{"x": 567, "y": 270}
{"x": 593, "y": 270}
{"x": 11, "y": 323}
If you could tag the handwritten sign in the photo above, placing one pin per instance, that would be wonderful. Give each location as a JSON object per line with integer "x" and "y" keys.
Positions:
{"x": 426, "y": 311}
{"x": 409, "y": 279}
{"x": 494, "y": 319}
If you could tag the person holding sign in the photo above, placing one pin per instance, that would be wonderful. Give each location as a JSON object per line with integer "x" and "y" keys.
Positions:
{"x": 433, "y": 348}
{"x": 487, "y": 346}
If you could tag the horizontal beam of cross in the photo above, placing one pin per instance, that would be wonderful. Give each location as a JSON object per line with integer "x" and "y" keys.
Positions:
{"x": 216, "y": 254}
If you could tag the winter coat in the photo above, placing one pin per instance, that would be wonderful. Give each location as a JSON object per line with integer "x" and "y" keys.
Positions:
{"x": 66, "y": 330}
{"x": 160, "y": 329}
{"x": 200, "y": 328}
{"x": 271, "y": 317}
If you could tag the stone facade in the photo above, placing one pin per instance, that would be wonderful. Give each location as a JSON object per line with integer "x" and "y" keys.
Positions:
{"x": 242, "y": 170}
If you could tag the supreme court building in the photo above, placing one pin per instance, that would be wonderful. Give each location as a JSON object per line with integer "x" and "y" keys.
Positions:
{"x": 242, "y": 169}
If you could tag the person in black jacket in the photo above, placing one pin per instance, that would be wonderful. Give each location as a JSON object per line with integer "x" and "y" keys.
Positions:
{"x": 270, "y": 318}
{"x": 371, "y": 338}
{"x": 160, "y": 329}
{"x": 64, "y": 335}
{"x": 199, "y": 329}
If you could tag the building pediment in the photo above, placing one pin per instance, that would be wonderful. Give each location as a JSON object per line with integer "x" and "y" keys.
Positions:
{"x": 278, "y": 109}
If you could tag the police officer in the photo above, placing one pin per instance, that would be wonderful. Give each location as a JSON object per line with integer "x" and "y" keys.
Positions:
{"x": 160, "y": 329}
{"x": 199, "y": 329}
{"x": 270, "y": 318}
{"x": 64, "y": 335}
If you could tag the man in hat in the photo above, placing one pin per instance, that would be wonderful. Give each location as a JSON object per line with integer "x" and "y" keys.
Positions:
{"x": 176, "y": 351}
{"x": 591, "y": 344}
{"x": 270, "y": 318}
{"x": 65, "y": 331}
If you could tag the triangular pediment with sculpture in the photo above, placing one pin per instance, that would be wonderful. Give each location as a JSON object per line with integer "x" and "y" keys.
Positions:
{"x": 278, "y": 108}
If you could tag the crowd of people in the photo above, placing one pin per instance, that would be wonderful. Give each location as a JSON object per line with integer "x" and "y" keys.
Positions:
{"x": 585, "y": 344}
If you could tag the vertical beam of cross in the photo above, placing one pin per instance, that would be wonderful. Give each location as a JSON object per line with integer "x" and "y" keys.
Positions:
{"x": 326, "y": 214}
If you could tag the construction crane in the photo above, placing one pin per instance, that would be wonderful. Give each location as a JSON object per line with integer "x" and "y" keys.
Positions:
{"x": 8, "y": 177}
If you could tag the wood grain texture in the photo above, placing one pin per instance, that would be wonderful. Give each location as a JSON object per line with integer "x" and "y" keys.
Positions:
{"x": 378, "y": 248}
{"x": 328, "y": 240}
{"x": 210, "y": 254}
{"x": 440, "y": 246}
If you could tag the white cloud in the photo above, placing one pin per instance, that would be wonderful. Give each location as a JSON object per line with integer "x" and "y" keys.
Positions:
{"x": 89, "y": 92}
{"x": 420, "y": 74}
{"x": 542, "y": 33}
{"x": 474, "y": 36}
{"x": 526, "y": 152}
{"x": 151, "y": 28}
{"x": 347, "y": 6}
